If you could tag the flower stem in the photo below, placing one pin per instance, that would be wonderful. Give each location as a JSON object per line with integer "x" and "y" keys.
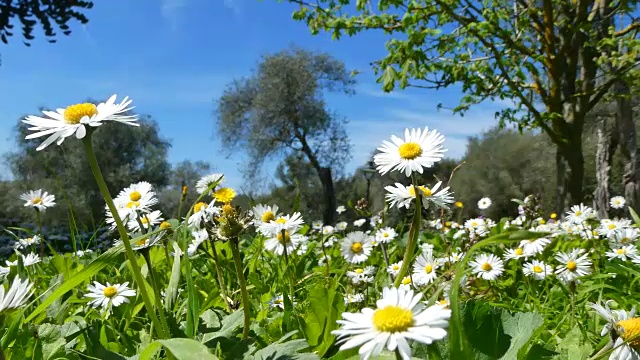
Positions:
{"x": 156, "y": 290}
{"x": 223, "y": 288}
{"x": 243, "y": 287}
{"x": 137, "y": 275}
{"x": 413, "y": 238}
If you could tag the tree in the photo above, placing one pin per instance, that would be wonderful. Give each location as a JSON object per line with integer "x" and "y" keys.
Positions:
{"x": 183, "y": 173}
{"x": 544, "y": 56}
{"x": 50, "y": 14}
{"x": 126, "y": 155}
{"x": 280, "y": 110}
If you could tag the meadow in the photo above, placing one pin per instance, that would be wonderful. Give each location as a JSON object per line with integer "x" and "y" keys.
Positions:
{"x": 217, "y": 281}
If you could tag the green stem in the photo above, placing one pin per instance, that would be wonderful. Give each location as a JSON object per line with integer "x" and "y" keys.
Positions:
{"x": 156, "y": 290}
{"x": 243, "y": 287}
{"x": 137, "y": 275}
{"x": 223, "y": 288}
{"x": 413, "y": 238}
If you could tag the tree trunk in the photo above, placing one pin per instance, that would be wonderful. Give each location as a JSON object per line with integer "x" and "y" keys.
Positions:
{"x": 329, "y": 195}
{"x": 628, "y": 144}
{"x": 606, "y": 145}
{"x": 561, "y": 182}
{"x": 572, "y": 153}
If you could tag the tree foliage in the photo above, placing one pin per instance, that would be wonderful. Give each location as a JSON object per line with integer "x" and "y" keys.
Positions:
{"x": 280, "y": 110}
{"x": 555, "y": 59}
{"x": 51, "y": 14}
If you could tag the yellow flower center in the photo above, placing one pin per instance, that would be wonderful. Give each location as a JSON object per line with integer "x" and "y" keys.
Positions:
{"x": 392, "y": 319}
{"x": 281, "y": 221}
{"x": 74, "y": 113}
{"x": 612, "y": 226}
{"x": 37, "y": 200}
{"x": 486, "y": 267}
{"x": 225, "y": 195}
{"x": 553, "y": 215}
{"x": 519, "y": 251}
{"x": 110, "y": 291}
{"x": 267, "y": 217}
{"x": 286, "y": 239}
{"x": 541, "y": 222}
{"x": 144, "y": 220}
{"x": 359, "y": 271}
{"x": 537, "y": 269}
{"x": 572, "y": 266}
{"x": 131, "y": 204}
{"x": 199, "y": 206}
{"x": 278, "y": 301}
{"x": 474, "y": 224}
{"x": 630, "y": 331}
{"x": 410, "y": 150}
{"x": 578, "y": 213}
{"x": 228, "y": 210}
{"x": 165, "y": 225}
{"x": 412, "y": 191}
{"x": 356, "y": 247}
{"x": 428, "y": 269}
{"x": 396, "y": 267}
{"x": 620, "y": 251}
{"x": 624, "y": 240}
{"x": 135, "y": 196}
{"x": 425, "y": 191}
{"x": 406, "y": 281}
{"x": 458, "y": 204}
{"x": 141, "y": 242}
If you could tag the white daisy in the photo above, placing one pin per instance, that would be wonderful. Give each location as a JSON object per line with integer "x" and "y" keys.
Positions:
{"x": 356, "y": 247}
{"x": 623, "y": 253}
{"x": 330, "y": 241}
{"x": 353, "y": 298}
{"x": 340, "y": 209}
{"x": 517, "y": 253}
{"x": 400, "y": 316}
{"x": 406, "y": 283}
{"x": 455, "y": 256}
{"x": 144, "y": 221}
{"x": 537, "y": 269}
{"x": 424, "y": 270}
{"x": 203, "y": 213}
{"x": 110, "y": 295}
{"x": 283, "y": 222}
{"x": 199, "y": 236}
{"x": 394, "y": 268}
{"x": 624, "y": 329}
{"x": 30, "y": 259}
{"x": 419, "y": 149}
{"x": 278, "y": 302}
{"x": 487, "y": 266}
{"x": 484, "y": 203}
{"x": 617, "y": 202}
{"x": 17, "y": 295}
{"x": 288, "y": 242}
{"x": 63, "y": 123}
{"x": 400, "y": 195}
{"x": 30, "y": 241}
{"x": 362, "y": 275}
{"x": 534, "y": 246}
{"x": 327, "y": 230}
{"x": 625, "y": 236}
{"x": 385, "y": 235}
{"x": 342, "y": 226}
{"x": 611, "y": 227}
{"x": 38, "y": 199}
{"x": 316, "y": 225}
{"x": 263, "y": 214}
{"x": 435, "y": 195}
{"x": 359, "y": 222}
{"x": 143, "y": 242}
{"x": 209, "y": 182}
{"x": 579, "y": 213}
{"x": 572, "y": 265}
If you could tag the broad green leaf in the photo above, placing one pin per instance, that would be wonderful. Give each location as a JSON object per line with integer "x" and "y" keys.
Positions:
{"x": 181, "y": 349}
{"x": 521, "y": 327}
{"x": 574, "y": 346}
{"x": 285, "y": 350}
{"x": 174, "y": 282}
{"x": 229, "y": 325}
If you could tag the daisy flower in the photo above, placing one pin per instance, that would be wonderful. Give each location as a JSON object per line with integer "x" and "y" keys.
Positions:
{"x": 625, "y": 236}
{"x": 406, "y": 283}
{"x": 110, "y": 295}
{"x": 280, "y": 243}
{"x": 202, "y": 213}
{"x": 400, "y": 316}
{"x": 199, "y": 236}
{"x": 38, "y": 199}
{"x": 17, "y": 295}
{"x": 30, "y": 259}
{"x": 31, "y": 241}
{"x": 487, "y": 266}
{"x": 579, "y": 213}
{"x": 74, "y": 119}
{"x": 143, "y": 242}
{"x": 340, "y": 209}
{"x": 144, "y": 221}
{"x": 327, "y": 230}
{"x": 484, "y": 203}
{"x": 330, "y": 241}
{"x": 611, "y": 227}
{"x": 316, "y": 224}
{"x": 455, "y": 257}
{"x": 537, "y": 269}
{"x": 209, "y": 182}
{"x": 617, "y": 202}
{"x": 282, "y": 222}
{"x": 424, "y": 270}
{"x": 362, "y": 275}
{"x": 534, "y": 246}
{"x": 623, "y": 253}
{"x": 263, "y": 214}
{"x": 356, "y": 247}
{"x": 278, "y": 302}
{"x": 400, "y": 195}
{"x": 359, "y": 222}
{"x": 353, "y": 298}
{"x": 624, "y": 329}
{"x": 419, "y": 149}
{"x": 385, "y": 235}
{"x": 573, "y": 265}
{"x": 517, "y": 253}
{"x": 341, "y": 226}
{"x": 394, "y": 269}
{"x": 439, "y": 197}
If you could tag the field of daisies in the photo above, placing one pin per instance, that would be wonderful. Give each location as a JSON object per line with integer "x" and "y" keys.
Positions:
{"x": 216, "y": 281}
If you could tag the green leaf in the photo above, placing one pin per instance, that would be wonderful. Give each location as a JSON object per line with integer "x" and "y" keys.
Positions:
{"x": 82, "y": 276}
{"x": 181, "y": 349}
{"x": 574, "y": 346}
{"x": 285, "y": 350}
{"x": 229, "y": 325}
{"x": 635, "y": 216}
{"x": 52, "y": 341}
{"x": 174, "y": 282}
{"x": 521, "y": 327}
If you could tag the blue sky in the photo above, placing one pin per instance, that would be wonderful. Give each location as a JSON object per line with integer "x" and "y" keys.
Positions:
{"x": 174, "y": 58}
